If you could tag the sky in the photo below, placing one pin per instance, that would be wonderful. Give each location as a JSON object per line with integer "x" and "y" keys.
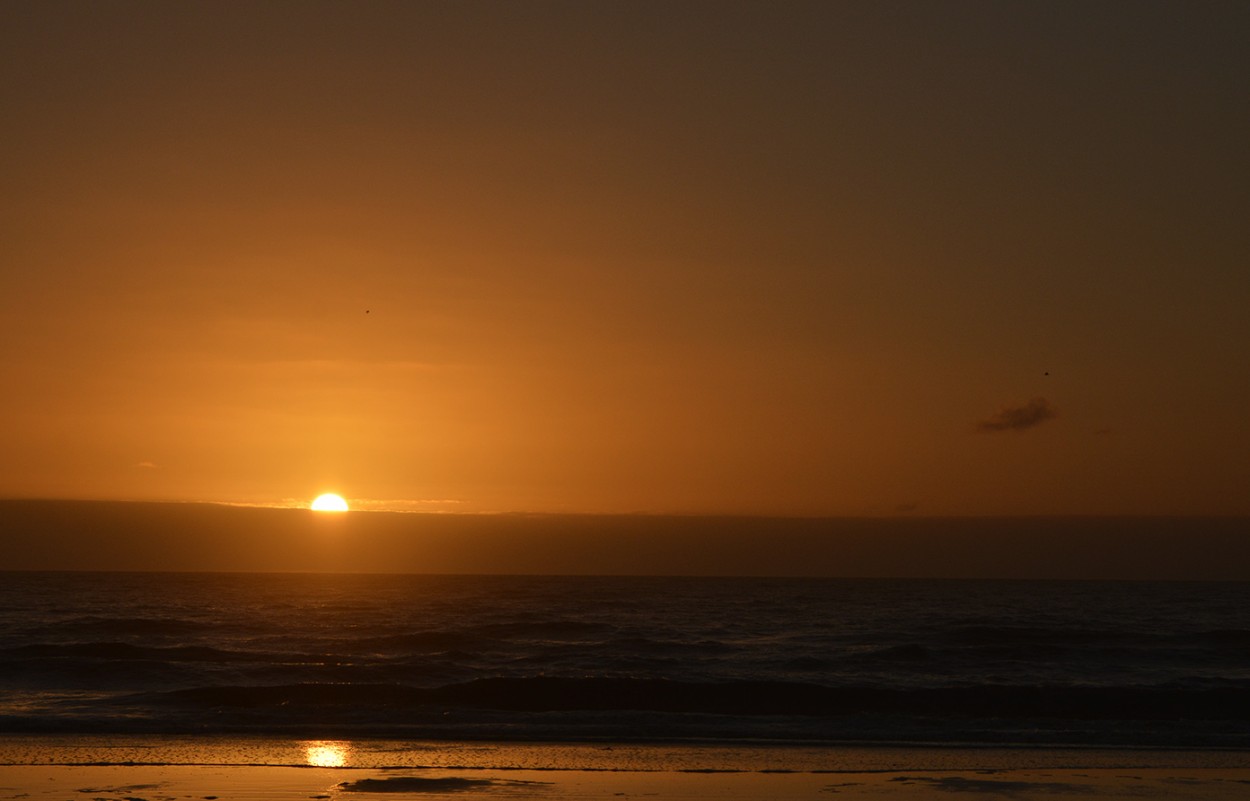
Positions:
{"x": 799, "y": 259}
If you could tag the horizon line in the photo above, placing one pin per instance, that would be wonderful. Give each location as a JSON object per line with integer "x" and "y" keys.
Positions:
{"x": 884, "y": 515}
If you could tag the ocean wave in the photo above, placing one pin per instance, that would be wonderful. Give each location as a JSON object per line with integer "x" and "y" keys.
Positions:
{"x": 639, "y": 645}
{"x": 418, "y": 642}
{"x": 906, "y": 652}
{"x": 551, "y": 694}
{"x": 1238, "y": 639}
{"x": 128, "y": 651}
{"x": 995, "y": 635}
{"x": 98, "y": 626}
{"x": 525, "y": 658}
{"x": 546, "y": 630}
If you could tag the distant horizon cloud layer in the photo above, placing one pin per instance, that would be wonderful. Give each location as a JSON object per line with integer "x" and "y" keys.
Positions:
{"x": 80, "y": 535}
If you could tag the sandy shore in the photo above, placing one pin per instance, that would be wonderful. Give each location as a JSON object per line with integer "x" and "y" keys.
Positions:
{"x": 156, "y": 769}
{"x": 166, "y": 783}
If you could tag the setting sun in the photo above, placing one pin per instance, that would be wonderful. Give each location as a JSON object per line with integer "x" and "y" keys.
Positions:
{"x": 329, "y": 502}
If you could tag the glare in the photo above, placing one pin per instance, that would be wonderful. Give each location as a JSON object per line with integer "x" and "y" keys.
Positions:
{"x": 327, "y": 753}
{"x": 329, "y": 503}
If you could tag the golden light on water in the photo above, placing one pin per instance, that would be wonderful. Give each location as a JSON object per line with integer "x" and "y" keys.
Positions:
{"x": 329, "y": 502}
{"x": 327, "y": 753}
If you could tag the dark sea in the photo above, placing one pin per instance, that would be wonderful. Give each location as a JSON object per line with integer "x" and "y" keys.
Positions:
{"x": 586, "y": 659}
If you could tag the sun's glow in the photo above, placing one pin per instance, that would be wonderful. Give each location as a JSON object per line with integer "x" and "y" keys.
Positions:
{"x": 329, "y": 502}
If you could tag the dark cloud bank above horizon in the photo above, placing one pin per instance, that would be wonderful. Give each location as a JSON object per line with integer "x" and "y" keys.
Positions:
{"x": 80, "y": 535}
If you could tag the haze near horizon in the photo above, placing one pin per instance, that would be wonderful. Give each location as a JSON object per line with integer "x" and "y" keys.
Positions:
{"x": 197, "y": 538}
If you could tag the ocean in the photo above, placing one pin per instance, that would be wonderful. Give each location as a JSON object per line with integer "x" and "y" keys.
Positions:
{"x": 791, "y": 661}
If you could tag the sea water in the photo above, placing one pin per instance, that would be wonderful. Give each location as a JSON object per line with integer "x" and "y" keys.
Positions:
{"x": 1162, "y": 664}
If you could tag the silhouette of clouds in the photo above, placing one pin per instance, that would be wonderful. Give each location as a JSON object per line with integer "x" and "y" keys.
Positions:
{"x": 1019, "y": 418}
{"x": 404, "y": 505}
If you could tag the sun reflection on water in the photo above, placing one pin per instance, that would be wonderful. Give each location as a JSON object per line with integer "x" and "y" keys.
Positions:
{"x": 327, "y": 753}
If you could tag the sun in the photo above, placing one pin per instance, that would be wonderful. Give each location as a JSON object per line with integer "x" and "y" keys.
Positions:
{"x": 329, "y": 502}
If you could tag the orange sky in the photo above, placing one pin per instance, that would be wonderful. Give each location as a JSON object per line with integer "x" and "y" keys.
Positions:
{"x": 826, "y": 258}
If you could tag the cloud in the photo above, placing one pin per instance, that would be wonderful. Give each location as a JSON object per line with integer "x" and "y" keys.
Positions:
{"x": 1019, "y": 418}
{"x": 147, "y": 465}
{"x": 403, "y": 505}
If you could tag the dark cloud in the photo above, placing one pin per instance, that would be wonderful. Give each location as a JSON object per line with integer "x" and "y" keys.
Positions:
{"x": 1018, "y": 418}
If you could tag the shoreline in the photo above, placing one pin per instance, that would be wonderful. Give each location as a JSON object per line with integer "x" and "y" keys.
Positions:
{"x": 274, "y": 751}
{"x": 264, "y": 783}
{"x": 150, "y": 768}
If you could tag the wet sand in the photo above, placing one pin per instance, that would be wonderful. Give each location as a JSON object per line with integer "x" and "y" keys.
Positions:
{"x": 98, "y": 768}
{"x": 169, "y": 782}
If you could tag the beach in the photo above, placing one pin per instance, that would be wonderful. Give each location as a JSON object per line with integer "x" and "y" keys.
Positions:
{"x": 162, "y": 769}
{"x": 289, "y": 784}
{"x": 233, "y": 686}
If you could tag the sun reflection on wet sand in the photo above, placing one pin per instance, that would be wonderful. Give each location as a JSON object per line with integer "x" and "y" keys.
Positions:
{"x": 327, "y": 753}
